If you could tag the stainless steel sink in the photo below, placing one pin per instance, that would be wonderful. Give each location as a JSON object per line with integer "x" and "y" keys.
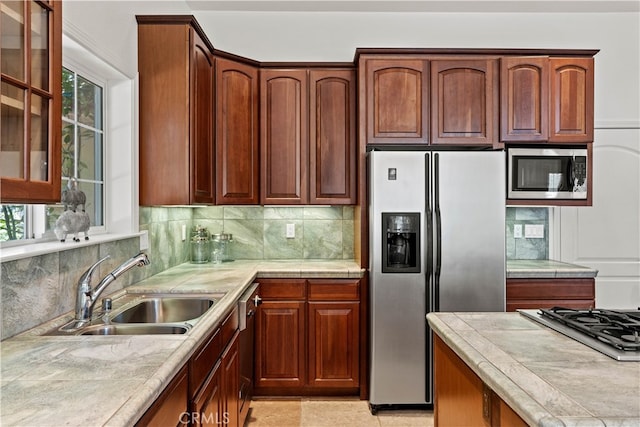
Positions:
{"x": 147, "y": 315}
{"x": 146, "y": 329}
{"x": 165, "y": 310}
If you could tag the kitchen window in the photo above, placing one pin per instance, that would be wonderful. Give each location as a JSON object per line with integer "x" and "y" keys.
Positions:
{"x": 82, "y": 157}
{"x": 103, "y": 158}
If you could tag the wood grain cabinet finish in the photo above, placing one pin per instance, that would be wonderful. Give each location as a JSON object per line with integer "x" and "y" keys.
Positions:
{"x": 237, "y": 133}
{"x": 284, "y": 142}
{"x": 308, "y": 337}
{"x": 308, "y": 145}
{"x": 456, "y": 386}
{"x": 170, "y": 407}
{"x": 334, "y": 331}
{"x": 31, "y": 123}
{"x": 332, "y": 137}
{"x": 548, "y": 293}
{"x": 280, "y": 351}
{"x": 464, "y": 101}
{"x": 396, "y": 96}
{"x": 176, "y": 71}
{"x": 572, "y": 100}
{"x": 230, "y": 384}
{"x": 524, "y": 99}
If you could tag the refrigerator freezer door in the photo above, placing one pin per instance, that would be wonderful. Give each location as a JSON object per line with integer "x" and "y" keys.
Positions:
{"x": 398, "y": 300}
{"x": 471, "y": 200}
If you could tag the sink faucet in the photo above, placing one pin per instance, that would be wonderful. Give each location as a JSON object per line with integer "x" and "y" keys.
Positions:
{"x": 86, "y": 296}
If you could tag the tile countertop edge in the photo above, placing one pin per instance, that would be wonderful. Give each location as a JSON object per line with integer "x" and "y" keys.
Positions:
{"x": 547, "y": 269}
{"x": 141, "y": 399}
{"x": 521, "y": 402}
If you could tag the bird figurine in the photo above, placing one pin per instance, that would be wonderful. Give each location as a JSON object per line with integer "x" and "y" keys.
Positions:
{"x": 72, "y": 197}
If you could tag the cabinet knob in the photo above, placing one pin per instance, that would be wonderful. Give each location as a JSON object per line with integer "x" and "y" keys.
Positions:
{"x": 257, "y": 300}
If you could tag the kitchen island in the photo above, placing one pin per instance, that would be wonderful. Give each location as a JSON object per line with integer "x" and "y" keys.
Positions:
{"x": 112, "y": 380}
{"x": 546, "y": 378}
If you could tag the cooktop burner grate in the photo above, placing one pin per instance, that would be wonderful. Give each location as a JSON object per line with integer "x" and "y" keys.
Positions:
{"x": 618, "y": 329}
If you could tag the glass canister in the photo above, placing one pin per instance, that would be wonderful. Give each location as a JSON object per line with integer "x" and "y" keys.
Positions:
{"x": 200, "y": 245}
{"x": 221, "y": 243}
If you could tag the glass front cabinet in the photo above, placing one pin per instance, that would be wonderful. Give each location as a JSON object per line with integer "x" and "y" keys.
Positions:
{"x": 30, "y": 126}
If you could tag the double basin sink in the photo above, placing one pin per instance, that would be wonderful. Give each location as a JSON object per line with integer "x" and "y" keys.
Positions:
{"x": 148, "y": 315}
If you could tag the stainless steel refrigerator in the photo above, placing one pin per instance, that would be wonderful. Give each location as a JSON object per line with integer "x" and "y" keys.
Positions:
{"x": 437, "y": 243}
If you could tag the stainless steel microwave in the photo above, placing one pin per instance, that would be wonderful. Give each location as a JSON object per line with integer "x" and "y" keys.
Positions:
{"x": 547, "y": 173}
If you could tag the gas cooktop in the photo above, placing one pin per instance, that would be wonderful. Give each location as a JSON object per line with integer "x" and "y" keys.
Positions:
{"x": 615, "y": 333}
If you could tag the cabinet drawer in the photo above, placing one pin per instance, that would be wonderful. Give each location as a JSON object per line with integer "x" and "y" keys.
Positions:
{"x": 576, "y": 304}
{"x": 551, "y": 289}
{"x": 293, "y": 289}
{"x": 203, "y": 361}
{"x": 229, "y": 327}
{"x": 334, "y": 290}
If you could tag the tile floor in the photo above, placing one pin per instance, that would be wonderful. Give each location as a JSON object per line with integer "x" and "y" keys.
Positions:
{"x": 313, "y": 412}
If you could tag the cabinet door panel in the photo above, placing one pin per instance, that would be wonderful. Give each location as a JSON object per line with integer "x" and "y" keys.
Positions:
{"x": 236, "y": 133}
{"x": 284, "y": 136}
{"x": 524, "y": 99}
{"x": 202, "y": 129}
{"x": 334, "y": 344}
{"x": 208, "y": 406}
{"x": 571, "y": 99}
{"x": 332, "y": 170}
{"x": 280, "y": 345}
{"x": 397, "y": 101}
{"x": 231, "y": 383}
{"x": 464, "y": 102}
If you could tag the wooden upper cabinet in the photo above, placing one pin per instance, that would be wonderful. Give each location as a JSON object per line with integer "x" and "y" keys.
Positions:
{"x": 284, "y": 136}
{"x": 332, "y": 139}
{"x": 396, "y": 92}
{"x": 202, "y": 124}
{"x": 571, "y": 117}
{"x": 237, "y": 127}
{"x": 524, "y": 84}
{"x": 31, "y": 122}
{"x": 175, "y": 66}
{"x": 464, "y": 101}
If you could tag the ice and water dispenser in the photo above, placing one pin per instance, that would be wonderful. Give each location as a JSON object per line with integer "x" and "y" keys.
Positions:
{"x": 401, "y": 243}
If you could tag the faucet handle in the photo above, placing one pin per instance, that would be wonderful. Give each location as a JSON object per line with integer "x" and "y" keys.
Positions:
{"x": 85, "y": 279}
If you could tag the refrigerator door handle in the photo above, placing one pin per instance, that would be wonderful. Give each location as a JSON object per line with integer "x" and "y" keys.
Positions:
{"x": 438, "y": 231}
{"x": 429, "y": 219}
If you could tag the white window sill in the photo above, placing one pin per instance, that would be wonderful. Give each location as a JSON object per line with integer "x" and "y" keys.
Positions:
{"x": 35, "y": 249}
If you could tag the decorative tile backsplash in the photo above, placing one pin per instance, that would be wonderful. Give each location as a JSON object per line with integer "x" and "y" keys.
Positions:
{"x": 258, "y": 232}
{"x": 523, "y": 247}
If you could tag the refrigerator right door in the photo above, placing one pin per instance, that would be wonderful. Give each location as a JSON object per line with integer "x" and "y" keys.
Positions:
{"x": 469, "y": 227}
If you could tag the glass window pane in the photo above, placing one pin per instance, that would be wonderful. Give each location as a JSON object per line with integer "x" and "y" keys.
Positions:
{"x": 68, "y": 150}
{"x": 39, "y": 46}
{"x": 12, "y": 129}
{"x": 90, "y": 155}
{"x": 13, "y": 42}
{"x": 39, "y": 138}
{"x": 93, "y": 207}
{"x": 12, "y": 222}
{"x": 89, "y": 103}
{"x": 68, "y": 107}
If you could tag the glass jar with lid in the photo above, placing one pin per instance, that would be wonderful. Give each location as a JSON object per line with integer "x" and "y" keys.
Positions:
{"x": 221, "y": 249}
{"x": 200, "y": 245}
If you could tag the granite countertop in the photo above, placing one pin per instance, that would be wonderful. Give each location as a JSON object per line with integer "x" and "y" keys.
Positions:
{"x": 546, "y": 269}
{"x": 547, "y": 378}
{"x": 112, "y": 380}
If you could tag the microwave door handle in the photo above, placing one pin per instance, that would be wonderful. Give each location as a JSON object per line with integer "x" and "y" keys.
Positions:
{"x": 570, "y": 175}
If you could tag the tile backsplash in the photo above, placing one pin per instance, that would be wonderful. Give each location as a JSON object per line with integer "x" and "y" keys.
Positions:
{"x": 527, "y": 247}
{"x": 324, "y": 232}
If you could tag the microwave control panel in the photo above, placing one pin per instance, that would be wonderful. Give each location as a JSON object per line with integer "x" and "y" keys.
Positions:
{"x": 580, "y": 169}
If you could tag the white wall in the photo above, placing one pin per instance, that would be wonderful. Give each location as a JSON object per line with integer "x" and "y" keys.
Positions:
{"x": 605, "y": 236}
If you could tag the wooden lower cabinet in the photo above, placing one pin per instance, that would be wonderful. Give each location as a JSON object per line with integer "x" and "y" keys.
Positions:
{"x": 548, "y": 293}
{"x": 214, "y": 378}
{"x": 308, "y": 337}
{"x": 462, "y": 399}
{"x": 170, "y": 408}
